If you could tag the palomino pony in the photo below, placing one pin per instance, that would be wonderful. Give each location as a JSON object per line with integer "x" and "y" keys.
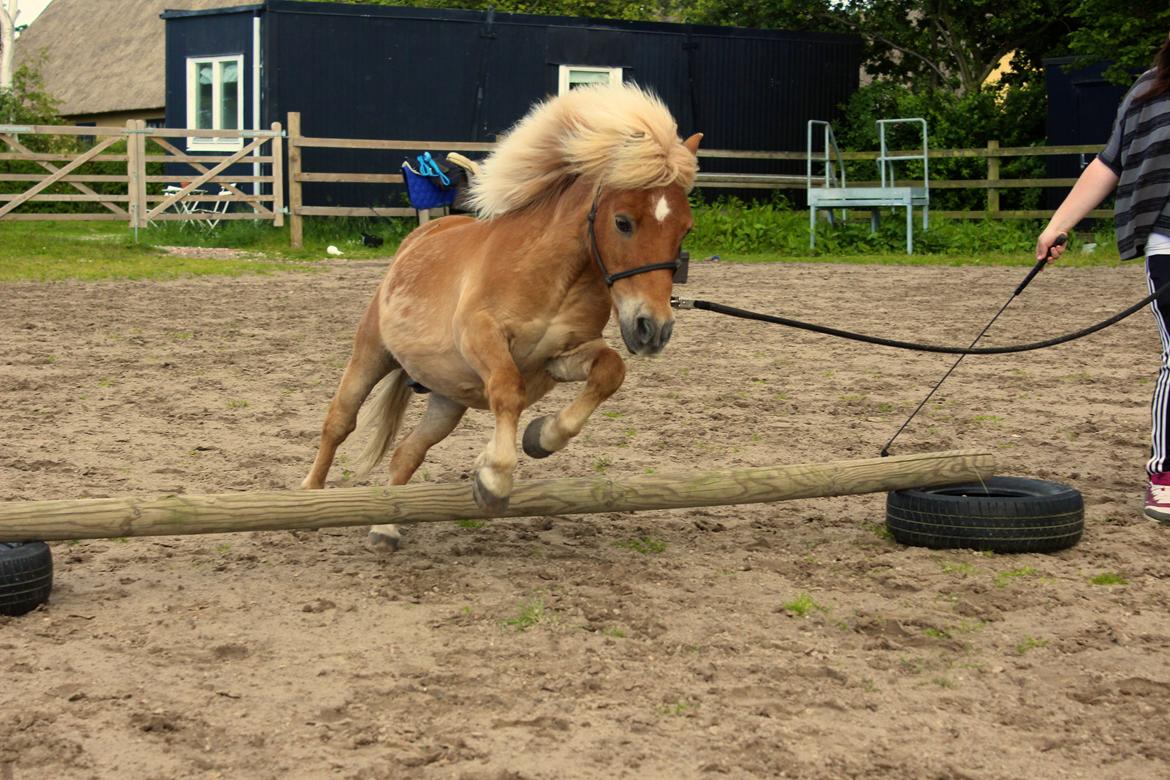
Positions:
{"x": 582, "y": 209}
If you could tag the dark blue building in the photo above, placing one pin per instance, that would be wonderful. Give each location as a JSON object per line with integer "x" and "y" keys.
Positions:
{"x": 359, "y": 71}
{"x": 1082, "y": 106}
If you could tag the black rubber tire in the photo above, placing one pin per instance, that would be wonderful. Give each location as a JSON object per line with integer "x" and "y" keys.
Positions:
{"x": 1003, "y": 514}
{"x": 26, "y": 576}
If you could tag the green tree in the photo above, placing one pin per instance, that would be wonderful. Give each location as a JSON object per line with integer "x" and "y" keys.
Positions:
{"x": 654, "y": 10}
{"x": 1013, "y": 115}
{"x": 955, "y": 44}
{"x": 1126, "y": 34}
{"x": 27, "y": 102}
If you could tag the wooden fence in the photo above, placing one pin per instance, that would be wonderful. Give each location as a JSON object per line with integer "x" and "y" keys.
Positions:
{"x": 157, "y": 180}
{"x": 992, "y": 183}
{"x": 298, "y": 176}
{"x": 163, "y": 181}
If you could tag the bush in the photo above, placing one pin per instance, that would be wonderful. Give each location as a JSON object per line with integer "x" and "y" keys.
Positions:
{"x": 1013, "y": 114}
{"x": 733, "y": 226}
{"x": 27, "y": 102}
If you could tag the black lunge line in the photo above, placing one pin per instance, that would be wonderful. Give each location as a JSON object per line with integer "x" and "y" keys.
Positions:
{"x": 1019, "y": 289}
{"x": 682, "y": 303}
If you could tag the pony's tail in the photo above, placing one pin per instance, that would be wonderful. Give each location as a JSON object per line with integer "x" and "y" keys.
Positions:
{"x": 383, "y": 412}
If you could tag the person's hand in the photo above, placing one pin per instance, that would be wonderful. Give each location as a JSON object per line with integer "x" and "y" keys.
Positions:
{"x": 1051, "y": 244}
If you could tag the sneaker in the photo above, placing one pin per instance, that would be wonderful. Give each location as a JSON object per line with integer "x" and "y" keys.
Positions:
{"x": 1158, "y": 498}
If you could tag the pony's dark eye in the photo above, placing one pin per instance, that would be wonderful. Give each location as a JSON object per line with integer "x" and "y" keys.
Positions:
{"x": 623, "y": 224}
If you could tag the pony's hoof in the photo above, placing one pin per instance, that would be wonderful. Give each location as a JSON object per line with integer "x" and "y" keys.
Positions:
{"x": 531, "y": 440}
{"x": 384, "y": 542}
{"x": 486, "y": 499}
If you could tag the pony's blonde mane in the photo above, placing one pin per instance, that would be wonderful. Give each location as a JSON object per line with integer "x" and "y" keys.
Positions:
{"x": 621, "y": 135}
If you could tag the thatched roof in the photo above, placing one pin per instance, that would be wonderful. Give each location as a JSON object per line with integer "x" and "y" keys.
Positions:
{"x": 104, "y": 55}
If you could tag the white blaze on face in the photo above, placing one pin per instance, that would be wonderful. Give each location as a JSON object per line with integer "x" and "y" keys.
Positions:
{"x": 662, "y": 209}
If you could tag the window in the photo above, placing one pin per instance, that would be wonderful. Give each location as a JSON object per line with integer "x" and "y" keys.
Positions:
{"x": 215, "y": 99}
{"x": 573, "y": 76}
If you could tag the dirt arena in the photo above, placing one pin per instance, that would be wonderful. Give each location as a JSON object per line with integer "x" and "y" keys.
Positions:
{"x": 787, "y": 640}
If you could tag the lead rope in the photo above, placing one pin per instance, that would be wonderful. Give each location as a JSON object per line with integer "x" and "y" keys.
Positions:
{"x": 1031, "y": 275}
{"x": 684, "y": 303}
{"x": 885, "y": 453}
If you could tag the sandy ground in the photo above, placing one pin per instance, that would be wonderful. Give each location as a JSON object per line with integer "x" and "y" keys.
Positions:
{"x": 662, "y": 644}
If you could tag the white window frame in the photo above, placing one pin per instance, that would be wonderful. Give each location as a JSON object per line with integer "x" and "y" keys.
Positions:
{"x": 214, "y": 144}
{"x": 565, "y": 71}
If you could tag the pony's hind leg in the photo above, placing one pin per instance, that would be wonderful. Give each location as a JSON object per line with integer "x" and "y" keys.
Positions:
{"x": 369, "y": 362}
{"x": 440, "y": 418}
{"x": 604, "y": 371}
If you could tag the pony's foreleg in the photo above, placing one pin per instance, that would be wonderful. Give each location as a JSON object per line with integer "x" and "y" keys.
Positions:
{"x": 603, "y": 369}
{"x": 485, "y": 348}
{"x": 440, "y": 418}
{"x": 369, "y": 362}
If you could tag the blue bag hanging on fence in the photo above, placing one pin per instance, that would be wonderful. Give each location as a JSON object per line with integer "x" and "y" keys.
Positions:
{"x": 429, "y": 187}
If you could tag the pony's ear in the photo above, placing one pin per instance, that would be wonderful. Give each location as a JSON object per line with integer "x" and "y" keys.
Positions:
{"x": 692, "y": 143}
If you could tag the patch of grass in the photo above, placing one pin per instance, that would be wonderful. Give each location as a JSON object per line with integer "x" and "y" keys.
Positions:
{"x": 100, "y": 251}
{"x": 879, "y": 530}
{"x": 969, "y": 626}
{"x": 469, "y": 523}
{"x": 1029, "y": 643}
{"x": 646, "y": 545}
{"x": 237, "y": 403}
{"x": 1109, "y": 578}
{"x": 762, "y": 232}
{"x": 1003, "y": 578}
{"x": 601, "y": 464}
{"x": 531, "y": 613}
{"x": 987, "y": 419}
{"x": 773, "y": 231}
{"x": 680, "y": 708}
{"x": 261, "y": 237}
{"x": 936, "y": 633}
{"x": 611, "y": 414}
{"x": 911, "y": 665}
{"x": 961, "y": 568}
{"x": 802, "y": 606}
{"x": 614, "y": 631}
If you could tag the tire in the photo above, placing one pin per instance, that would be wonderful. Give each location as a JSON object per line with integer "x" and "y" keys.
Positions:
{"x": 26, "y": 576}
{"x": 1004, "y": 514}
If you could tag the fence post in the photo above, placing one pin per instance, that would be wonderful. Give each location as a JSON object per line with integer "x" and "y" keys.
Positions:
{"x": 277, "y": 150}
{"x": 132, "y": 204}
{"x": 140, "y": 140}
{"x": 295, "y": 222}
{"x": 992, "y": 176}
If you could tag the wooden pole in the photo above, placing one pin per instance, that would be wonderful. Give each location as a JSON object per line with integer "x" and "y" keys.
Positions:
{"x": 277, "y": 176}
{"x": 296, "y": 223}
{"x": 139, "y": 139}
{"x": 992, "y": 179}
{"x": 95, "y": 518}
{"x": 133, "y": 204}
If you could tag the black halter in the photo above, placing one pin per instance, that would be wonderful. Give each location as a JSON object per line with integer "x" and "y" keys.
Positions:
{"x": 609, "y": 278}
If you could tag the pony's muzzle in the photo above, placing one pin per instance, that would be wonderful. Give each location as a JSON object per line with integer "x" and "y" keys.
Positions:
{"x": 646, "y": 335}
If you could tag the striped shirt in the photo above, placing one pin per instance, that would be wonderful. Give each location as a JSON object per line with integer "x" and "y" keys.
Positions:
{"x": 1139, "y": 153}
